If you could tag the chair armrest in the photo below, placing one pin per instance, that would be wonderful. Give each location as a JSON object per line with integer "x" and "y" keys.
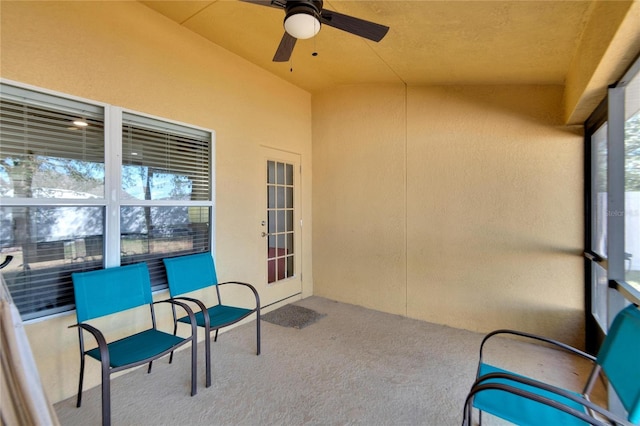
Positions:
{"x": 252, "y": 288}
{"x": 201, "y": 305}
{"x": 481, "y": 384}
{"x": 536, "y": 337}
{"x": 102, "y": 342}
{"x": 192, "y": 317}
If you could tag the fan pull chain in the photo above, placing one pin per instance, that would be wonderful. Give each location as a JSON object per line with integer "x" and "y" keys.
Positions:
{"x": 315, "y": 40}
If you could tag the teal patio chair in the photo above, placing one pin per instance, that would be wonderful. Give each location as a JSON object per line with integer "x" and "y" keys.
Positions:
{"x": 193, "y": 272}
{"x": 111, "y": 291}
{"x": 524, "y": 401}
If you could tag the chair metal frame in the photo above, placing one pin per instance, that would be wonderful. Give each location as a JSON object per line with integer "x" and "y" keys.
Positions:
{"x": 176, "y": 294}
{"x": 510, "y": 382}
{"x": 104, "y": 355}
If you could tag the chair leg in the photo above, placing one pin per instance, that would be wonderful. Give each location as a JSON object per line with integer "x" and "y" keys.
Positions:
{"x": 215, "y": 338}
{"x": 151, "y": 365}
{"x": 468, "y": 415}
{"x": 175, "y": 330}
{"x": 207, "y": 354}
{"x": 258, "y": 333}
{"x": 79, "y": 400}
{"x": 106, "y": 396}
{"x": 194, "y": 365}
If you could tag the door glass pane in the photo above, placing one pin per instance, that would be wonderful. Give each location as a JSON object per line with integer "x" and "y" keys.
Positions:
{"x": 280, "y": 172}
{"x": 271, "y": 197}
{"x": 271, "y": 172}
{"x": 632, "y": 183}
{"x": 271, "y": 221}
{"x": 280, "y": 203}
{"x": 290, "y": 243}
{"x": 281, "y": 246}
{"x": 289, "y": 266}
{"x": 289, "y": 221}
{"x": 271, "y": 267}
{"x": 289, "y": 202}
{"x": 289, "y": 174}
{"x": 281, "y": 223}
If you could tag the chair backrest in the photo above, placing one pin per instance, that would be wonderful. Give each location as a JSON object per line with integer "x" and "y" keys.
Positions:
{"x": 107, "y": 291}
{"x": 189, "y": 273}
{"x": 619, "y": 357}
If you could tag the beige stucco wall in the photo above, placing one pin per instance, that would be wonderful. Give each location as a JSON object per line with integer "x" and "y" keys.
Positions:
{"x": 359, "y": 208}
{"x": 124, "y": 54}
{"x": 456, "y": 205}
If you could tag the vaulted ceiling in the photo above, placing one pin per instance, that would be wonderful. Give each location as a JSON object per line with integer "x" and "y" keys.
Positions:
{"x": 429, "y": 42}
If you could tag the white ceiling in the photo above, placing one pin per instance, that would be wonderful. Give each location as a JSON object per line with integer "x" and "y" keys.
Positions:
{"x": 430, "y": 42}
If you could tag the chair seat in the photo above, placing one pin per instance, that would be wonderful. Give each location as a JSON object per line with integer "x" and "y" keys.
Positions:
{"x": 523, "y": 411}
{"x": 138, "y": 347}
{"x": 220, "y": 316}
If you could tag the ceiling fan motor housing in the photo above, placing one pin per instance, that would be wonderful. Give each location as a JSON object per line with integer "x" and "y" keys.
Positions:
{"x": 302, "y": 18}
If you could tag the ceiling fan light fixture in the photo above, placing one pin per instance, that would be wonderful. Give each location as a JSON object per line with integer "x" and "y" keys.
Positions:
{"x": 302, "y": 22}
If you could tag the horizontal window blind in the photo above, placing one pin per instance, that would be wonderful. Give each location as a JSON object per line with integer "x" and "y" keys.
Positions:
{"x": 150, "y": 234}
{"x": 171, "y": 162}
{"x": 43, "y": 154}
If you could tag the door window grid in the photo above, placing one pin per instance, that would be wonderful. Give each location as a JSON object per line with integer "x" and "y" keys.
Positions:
{"x": 280, "y": 221}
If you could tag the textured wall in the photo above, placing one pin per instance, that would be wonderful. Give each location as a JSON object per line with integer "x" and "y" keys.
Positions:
{"x": 457, "y": 205}
{"x": 359, "y": 214}
{"x": 124, "y": 54}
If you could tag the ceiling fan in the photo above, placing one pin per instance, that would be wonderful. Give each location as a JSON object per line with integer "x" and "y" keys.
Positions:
{"x": 303, "y": 19}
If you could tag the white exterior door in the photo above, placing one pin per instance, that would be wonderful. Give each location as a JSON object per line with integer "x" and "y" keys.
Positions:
{"x": 281, "y": 225}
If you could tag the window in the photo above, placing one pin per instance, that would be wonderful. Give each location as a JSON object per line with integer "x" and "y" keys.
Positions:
{"x": 165, "y": 193}
{"x": 612, "y": 245}
{"x": 52, "y": 178}
{"x": 54, "y": 182}
{"x": 613, "y": 215}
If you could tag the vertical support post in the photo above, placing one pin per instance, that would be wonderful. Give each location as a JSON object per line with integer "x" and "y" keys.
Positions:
{"x": 615, "y": 213}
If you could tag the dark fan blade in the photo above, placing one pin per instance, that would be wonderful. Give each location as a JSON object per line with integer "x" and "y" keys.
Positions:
{"x": 277, "y": 4}
{"x": 285, "y": 48}
{"x": 357, "y": 26}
